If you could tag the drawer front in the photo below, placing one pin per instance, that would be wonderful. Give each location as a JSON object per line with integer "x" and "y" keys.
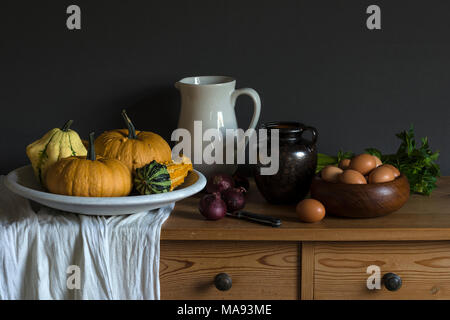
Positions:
{"x": 340, "y": 269}
{"x": 259, "y": 270}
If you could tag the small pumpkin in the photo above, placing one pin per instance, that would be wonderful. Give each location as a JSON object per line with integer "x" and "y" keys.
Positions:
{"x": 53, "y": 146}
{"x": 89, "y": 176}
{"x": 134, "y": 148}
{"x": 178, "y": 170}
{"x": 152, "y": 178}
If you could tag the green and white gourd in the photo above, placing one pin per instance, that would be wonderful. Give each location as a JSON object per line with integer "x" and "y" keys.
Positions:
{"x": 152, "y": 178}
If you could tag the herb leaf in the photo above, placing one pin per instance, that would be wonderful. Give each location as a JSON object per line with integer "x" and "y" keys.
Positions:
{"x": 418, "y": 164}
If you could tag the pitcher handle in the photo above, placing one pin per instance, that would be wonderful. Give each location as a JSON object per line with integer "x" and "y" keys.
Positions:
{"x": 313, "y": 133}
{"x": 256, "y": 103}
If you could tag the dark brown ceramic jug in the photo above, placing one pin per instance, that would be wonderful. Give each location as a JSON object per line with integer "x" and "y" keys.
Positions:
{"x": 297, "y": 164}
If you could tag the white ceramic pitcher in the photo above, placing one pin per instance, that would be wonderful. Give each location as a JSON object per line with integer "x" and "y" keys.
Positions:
{"x": 211, "y": 99}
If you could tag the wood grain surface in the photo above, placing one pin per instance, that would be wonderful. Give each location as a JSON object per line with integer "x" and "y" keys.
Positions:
{"x": 259, "y": 270}
{"x": 307, "y": 271}
{"x": 421, "y": 218}
{"x": 340, "y": 269}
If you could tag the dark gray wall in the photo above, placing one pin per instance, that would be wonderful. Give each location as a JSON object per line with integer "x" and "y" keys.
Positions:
{"x": 312, "y": 61}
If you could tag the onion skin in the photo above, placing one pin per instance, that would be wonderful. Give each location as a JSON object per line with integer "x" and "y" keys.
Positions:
{"x": 212, "y": 207}
{"x": 234, "y": 199}
{"x": 219, "y": 183}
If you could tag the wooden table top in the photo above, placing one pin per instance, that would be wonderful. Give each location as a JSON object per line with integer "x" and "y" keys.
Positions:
{"x": 421, "y": 218}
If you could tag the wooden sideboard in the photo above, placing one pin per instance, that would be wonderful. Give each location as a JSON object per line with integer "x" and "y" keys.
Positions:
{"x": 325, "y": 260}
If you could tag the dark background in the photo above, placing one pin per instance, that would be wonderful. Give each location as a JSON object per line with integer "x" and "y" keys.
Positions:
{"x": 310, "y": 60}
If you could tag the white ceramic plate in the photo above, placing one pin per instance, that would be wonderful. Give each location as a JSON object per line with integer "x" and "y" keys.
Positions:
{"x": 23, "y": 182}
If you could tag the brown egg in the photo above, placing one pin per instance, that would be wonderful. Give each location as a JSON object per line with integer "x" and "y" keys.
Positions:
{"x": 363, "y": 163}
{"x": 381, "y": 174}
{"x": 377, "y": 161}
{"x": 310, "y": 210}
{"x": 331, "y": 173}
{"x": 344, "y": 164}
{"x": 352, "y": 177}
{"x": 394, "y": 169}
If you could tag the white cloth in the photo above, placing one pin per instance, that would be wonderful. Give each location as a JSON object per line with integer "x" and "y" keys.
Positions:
{"x": 118, "y": 257}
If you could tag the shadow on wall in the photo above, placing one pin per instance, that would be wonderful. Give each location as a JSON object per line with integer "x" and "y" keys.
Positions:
{"x": 157, "y": 111}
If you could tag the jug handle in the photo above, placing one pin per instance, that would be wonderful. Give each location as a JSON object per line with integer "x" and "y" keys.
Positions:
{"x": 256, "y": 103}
{"x": 313, "y": 133}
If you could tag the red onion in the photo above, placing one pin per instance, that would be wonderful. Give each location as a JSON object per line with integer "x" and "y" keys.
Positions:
{"x": 212, "y": 207}
{"x": 241, "y": 181}
{"x": 219, "y": 183}
{"x": 234, "y": 199}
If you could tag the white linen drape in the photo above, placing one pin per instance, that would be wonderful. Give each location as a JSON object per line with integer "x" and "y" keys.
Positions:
{"x": 118, "y": 257}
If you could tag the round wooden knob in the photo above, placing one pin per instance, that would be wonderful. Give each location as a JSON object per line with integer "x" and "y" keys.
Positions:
{"x": 392, "y": 282}
{"x": 223, "y": 282}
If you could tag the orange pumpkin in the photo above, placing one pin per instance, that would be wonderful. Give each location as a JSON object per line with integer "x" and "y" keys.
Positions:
{"x": 134, "y": 148}
{"x": 89, "y": 176}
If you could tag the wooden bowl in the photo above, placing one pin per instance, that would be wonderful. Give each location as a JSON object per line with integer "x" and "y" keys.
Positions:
{"x": 361, "y": 200}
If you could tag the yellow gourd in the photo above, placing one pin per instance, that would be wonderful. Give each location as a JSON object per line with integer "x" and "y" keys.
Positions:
{"x": 53, "y": 146}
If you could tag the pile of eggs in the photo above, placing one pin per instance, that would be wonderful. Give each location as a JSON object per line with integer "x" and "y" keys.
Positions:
{"x": 362, "y": 169}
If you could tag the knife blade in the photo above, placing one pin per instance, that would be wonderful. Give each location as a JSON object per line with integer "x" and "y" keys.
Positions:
{"x": 255, "y": 217}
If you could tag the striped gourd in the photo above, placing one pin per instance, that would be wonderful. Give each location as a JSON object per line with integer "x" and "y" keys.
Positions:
{"x": 152, "y": 178}
{"x": 178, "y": 171}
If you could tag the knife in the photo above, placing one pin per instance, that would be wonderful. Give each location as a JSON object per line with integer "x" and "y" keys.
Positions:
{"x": 255, "y": 217}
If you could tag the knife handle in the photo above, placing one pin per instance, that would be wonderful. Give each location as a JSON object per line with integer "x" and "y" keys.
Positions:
{"x": 274, "y": 222}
